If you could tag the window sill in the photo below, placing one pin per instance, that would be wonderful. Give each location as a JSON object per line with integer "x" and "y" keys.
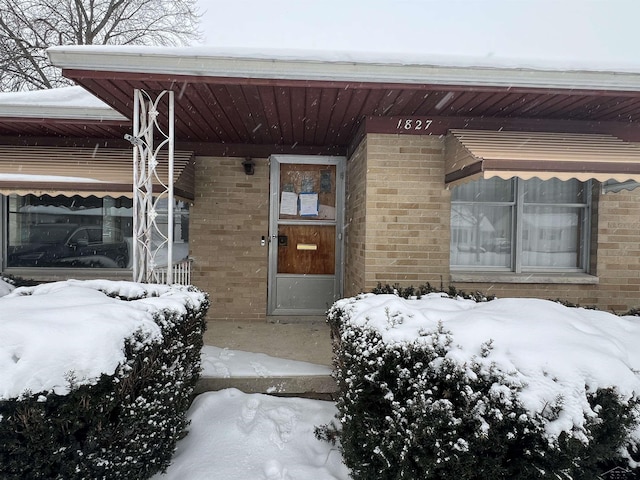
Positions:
{"x": 43, "y": 274}
{"x": 506, "y": 277}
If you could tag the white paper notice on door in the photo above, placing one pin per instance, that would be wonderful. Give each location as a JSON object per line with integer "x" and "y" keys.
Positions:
{"x": 289, "y": 203}
{"x": 308, "y": 204}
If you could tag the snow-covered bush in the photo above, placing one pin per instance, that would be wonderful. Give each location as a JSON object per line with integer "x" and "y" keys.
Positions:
{"x": 92, "y": 402}
{"x": 426, "y": 288}
{"x": 442, "y": 387}
{"x": 5, "y": 287}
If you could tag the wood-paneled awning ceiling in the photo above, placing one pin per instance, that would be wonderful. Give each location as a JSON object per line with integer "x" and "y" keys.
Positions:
{"x": 84, "y": 171}
{"x": 256, "y": 106}
{"x": 473, "y": 154}
{"x": 242, "y": 105}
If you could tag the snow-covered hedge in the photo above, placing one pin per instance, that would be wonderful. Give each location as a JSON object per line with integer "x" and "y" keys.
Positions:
{"x": 96, "y": 377}
{"x": 6, "y": 287}
{"x": 442, "y": 387}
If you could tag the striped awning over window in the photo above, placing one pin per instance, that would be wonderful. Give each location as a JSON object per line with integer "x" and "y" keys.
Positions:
{"x": 473, "y": 154}
{"x": 84, "y": 171}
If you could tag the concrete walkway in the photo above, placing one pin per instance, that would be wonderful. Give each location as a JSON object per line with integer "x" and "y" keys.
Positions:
{"x": 306, "y": 342}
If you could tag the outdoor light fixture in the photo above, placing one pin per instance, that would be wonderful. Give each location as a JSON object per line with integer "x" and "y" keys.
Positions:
{"x": 249, "y": 166}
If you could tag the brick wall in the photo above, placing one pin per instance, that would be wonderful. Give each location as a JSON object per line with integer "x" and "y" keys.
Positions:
{"x": 397, "y": 231}
{"x": 407, "y": 209}
{"x": 618, "y": 257}
{"x": 355, "y": 222}
{"x": 229, "y": 216}
{"x": 405, "y": 222}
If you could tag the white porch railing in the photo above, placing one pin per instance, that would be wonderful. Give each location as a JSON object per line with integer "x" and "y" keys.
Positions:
{"x": 181, "y": 272}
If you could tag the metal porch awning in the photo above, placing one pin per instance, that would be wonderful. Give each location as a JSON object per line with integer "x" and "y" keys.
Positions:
{"x": 84, "y": 171}
{"x": 474, "y": 154}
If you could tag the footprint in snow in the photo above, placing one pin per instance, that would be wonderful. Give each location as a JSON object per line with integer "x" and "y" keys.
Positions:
{"x": 248, "y": 414}
{"x": 284, "y": 421}
{"x": 219, "y": 369}
{"x": 273, "y": 470}
{"x": 225, "y": 354}
{"x": 260, "y": 369}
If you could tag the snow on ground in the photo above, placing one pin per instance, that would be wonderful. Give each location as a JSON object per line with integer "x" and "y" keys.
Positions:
{"x": 224, "y": 363}
{"x": 238, "y": 436}
{"x": 544, "y": 346}
{"x": 71, "y": 326}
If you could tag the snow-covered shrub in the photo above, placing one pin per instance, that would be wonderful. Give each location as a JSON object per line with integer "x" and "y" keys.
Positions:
{"x": 426, "y": 288}
{"x": 18, "y": 281}
{"x": 440, "y": 387}
{"x": 6, "y": 287}
{"x": 120, "y": 425}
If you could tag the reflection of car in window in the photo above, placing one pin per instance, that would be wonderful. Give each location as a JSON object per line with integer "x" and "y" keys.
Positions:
{"x": 69, "y": 245}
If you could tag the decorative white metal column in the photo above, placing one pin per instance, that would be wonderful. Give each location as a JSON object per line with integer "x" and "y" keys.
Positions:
{"x": 152, "y": 247}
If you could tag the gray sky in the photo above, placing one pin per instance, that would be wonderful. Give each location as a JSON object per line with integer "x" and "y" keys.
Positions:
{"x": 575, "y": 32}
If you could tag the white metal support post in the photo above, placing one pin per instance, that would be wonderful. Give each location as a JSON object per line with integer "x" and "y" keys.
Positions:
{"x": 151, "y": 242}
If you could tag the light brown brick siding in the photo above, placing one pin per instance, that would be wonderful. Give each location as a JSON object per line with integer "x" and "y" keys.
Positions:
{"x": 397, "y": 221}
{"x": 406, "y": 228}
{"x": 406, "y": 213}
{"x": 355, "y": 222}
{"x": 618, "y": 257}
{"x": 227, "y": 220}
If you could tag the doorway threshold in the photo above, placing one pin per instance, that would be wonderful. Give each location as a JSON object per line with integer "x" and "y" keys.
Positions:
{"x": 296, "y": 318}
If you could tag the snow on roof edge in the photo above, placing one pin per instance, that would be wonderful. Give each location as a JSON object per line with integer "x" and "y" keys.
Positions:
{"x": 317, "y": 65}
{"x": 349, "y": 57}
{"x": 64, "y": 102}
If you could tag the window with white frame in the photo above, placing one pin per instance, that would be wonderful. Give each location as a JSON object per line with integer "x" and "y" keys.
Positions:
{"x": 520, "y": 225}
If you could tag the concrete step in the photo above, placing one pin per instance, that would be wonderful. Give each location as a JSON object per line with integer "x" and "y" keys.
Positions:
{"x": 256, "y": 372}
{"x": 306, "y": 386}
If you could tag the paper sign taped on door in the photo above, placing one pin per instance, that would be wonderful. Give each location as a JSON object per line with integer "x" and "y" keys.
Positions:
{"x": 289, "y": 203}
{"x": 308, "y": 204}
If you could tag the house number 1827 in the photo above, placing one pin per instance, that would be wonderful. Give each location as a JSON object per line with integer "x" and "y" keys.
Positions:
{"x": 413, "y": 124}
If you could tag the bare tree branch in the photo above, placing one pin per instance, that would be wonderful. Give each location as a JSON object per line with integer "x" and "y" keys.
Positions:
{"x": 29, "y": 27}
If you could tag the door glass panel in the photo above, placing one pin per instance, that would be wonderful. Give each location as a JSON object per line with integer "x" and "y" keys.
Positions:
{"x": 307, "y": 192}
